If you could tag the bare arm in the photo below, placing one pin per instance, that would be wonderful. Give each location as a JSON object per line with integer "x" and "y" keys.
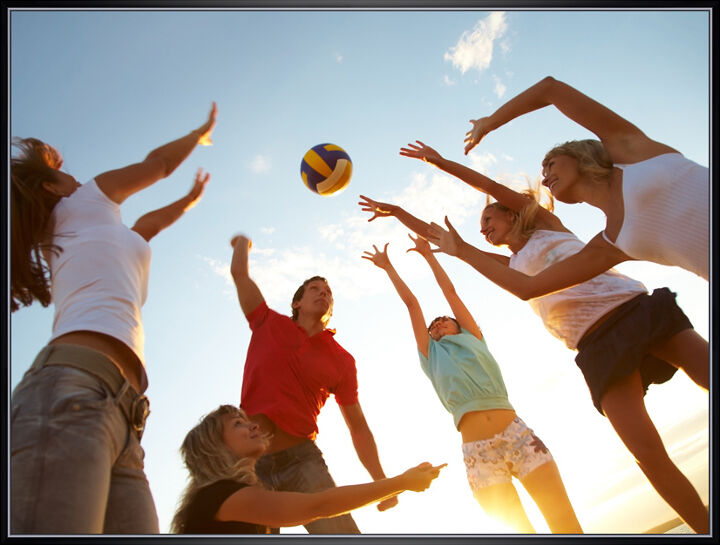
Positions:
{"x": 596, "y": 257}
{"x": 625, "y": 142}
{"x": 417, "y": 320}
{"x": 121, "y": 183}
{"x": 386, "y": 210}
{"x": 365, "y": 447}
{"x": 460, "y": 311}
{"x": 150, "y": 224}
{"x": 248, "y": 292}
{"x": 259, "y": 506}
{"x": 504, "y": 195}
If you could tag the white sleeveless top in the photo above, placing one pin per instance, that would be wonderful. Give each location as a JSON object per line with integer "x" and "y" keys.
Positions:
{"x": 666, "y": 200}
{"x": 99, "y": 280}
{"x": 569, "y": 313}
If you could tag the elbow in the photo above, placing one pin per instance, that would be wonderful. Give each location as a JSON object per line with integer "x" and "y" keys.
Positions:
{"x": 160, "y": 164}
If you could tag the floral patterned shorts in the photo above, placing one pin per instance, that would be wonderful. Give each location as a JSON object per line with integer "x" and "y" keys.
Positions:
{"x": 515, "y": 451}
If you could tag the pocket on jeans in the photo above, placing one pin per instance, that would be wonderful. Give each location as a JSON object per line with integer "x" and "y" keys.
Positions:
{"x": 76, "y": 390}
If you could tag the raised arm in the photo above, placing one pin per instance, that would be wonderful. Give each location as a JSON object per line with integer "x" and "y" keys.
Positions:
{"x": 248, "y": 292}
{"x": 596, "y": 257}
{"x": 121, "y": 183}
{"x": 460, "y": 311}
{"x": 381, "y": 260}
{"x": 625, "y": 142}
{"x": 257, "y": 505}
{"x": 152, "y": 223}
{"x": 501, "y": 193}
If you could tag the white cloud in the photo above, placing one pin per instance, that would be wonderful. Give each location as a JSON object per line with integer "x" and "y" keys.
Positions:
{"x": 338, "y": 58}
{"x": 475, "y": 48}
{"x": 500, "y": 87}
{"x": 260, "y": 164}
{"x": 482, "y": 161}
{"x": 267, "y": 230}
{"x": 331, "y": 232}
{"x": 447, "y": 81}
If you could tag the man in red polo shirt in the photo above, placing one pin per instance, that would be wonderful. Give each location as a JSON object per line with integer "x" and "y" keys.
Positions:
{"x": 292, "y": 367}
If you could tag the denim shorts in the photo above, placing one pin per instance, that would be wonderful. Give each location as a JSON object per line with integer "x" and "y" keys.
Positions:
{"x": 622, "y": 343}
{"x": 515, "y": 451}
{"x": 76, "y": 464}
{"x": 301, "y": 468}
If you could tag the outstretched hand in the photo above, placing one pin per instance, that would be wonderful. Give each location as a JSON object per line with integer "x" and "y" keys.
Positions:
{"x": 474, "y": 135}
{"x": 422, "y": 246}
{"x": 420, "y": 477}
{"x": 380, "y": 259}
{"x": 198, "y": 188}
{"x": 379, "y": 209}
{"x": 206, "y": 128}
{"x": 424, "y": 152}
{"x": 448, "y": 241}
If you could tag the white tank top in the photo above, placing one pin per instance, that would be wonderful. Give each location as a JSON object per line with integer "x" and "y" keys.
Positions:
{"x": 666, "y": 200}
{"x": 99, "y": 280}
{"x": 569, "y": 313}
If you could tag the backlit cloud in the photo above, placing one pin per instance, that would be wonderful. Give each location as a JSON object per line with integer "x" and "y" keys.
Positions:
{"x": 260, "y": 164}
{"x": 475, "y": 48}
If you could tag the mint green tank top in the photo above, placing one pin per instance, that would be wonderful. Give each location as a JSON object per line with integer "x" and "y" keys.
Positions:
{"x": 464, "y": 374}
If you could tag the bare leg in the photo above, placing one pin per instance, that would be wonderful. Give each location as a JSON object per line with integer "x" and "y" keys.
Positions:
{"x": 688, "y": 351}
{"x": 624, "y": 406}
{"x": 501, "y": 502}
{"x": 545, "y": 486}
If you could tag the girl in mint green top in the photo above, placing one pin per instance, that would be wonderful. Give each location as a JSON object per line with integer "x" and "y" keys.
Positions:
{"x": 464, "y": 374}
{"x": 497, "y": 445}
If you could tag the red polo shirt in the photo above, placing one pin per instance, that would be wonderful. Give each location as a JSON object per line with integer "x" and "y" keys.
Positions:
{"x": 288, "y": 376}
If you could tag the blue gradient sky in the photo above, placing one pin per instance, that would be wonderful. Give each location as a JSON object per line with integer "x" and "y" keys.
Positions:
{"x": 105, "y": 87}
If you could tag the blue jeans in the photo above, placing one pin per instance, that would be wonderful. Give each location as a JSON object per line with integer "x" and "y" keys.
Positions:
{"x": 76, "y": 467}
{"x": 301, "y": 468}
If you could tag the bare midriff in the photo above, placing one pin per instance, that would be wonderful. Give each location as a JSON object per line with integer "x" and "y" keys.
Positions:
{"x": 477, "y": 425}
{"x": 117, "y": 351}
{"x": 279, "y": 438}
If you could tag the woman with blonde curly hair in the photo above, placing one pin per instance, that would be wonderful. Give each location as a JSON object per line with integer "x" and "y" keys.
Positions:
{"x": 78, "y": 413}
{"x": 625, "y": 338}
{"x": 656, "y": 201}
{"x": 224, "y": 495}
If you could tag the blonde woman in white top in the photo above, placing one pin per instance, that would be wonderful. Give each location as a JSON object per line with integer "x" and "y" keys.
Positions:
{"x": 79, "y": 411}
{"x": 656, "y": 200}
{"x": 625, "y": 338}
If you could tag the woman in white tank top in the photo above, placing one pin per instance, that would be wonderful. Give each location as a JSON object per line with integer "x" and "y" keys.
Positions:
{"x": 79, "y": 411}
{"x": 648, "y": 336}
{"x": 656, "y": 201}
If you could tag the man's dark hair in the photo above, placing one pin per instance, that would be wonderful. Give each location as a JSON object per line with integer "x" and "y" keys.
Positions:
{"x": 300, "y": 291}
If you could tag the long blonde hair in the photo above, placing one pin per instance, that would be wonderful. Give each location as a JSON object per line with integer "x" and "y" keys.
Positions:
{"x": 209, "y": 460}
{"x": 592, "y": 157}
{"x": 524, "y": 221}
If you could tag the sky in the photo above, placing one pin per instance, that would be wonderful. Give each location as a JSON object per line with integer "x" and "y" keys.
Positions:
{"x": 107, "y": 86}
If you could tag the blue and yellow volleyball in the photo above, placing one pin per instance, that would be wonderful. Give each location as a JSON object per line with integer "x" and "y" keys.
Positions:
{"x": 326, "y": 169}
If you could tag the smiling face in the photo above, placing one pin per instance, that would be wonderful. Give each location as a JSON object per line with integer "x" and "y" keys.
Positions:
{"x": 243, "y": 436}
{"x": 441, "y": 326}
{"x": 561, "y": 174}
{"x": 495, "y": 225}
{"x": 316, "y": 301}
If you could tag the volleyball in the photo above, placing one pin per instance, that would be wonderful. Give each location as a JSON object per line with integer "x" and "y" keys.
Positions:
{"x": 326, "y": 169}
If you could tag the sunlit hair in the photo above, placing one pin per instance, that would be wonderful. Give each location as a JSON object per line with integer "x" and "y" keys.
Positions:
{"x": 592, "y": 157}
{"x": 208, "y": 459}
{"x": 523, "y": 222}
{"x": 459, "y": 328}
{"x": 299, "y": 294}
{"x": 30, "y": 209}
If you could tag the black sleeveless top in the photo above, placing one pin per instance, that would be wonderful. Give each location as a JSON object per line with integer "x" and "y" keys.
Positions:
{"x": 199, "y": 514}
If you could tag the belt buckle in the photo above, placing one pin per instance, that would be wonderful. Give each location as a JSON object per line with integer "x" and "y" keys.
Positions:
{"x": 139, "y": 411}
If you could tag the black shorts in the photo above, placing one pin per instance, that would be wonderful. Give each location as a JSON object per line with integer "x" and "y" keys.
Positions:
{"x": 622, "y": 343}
